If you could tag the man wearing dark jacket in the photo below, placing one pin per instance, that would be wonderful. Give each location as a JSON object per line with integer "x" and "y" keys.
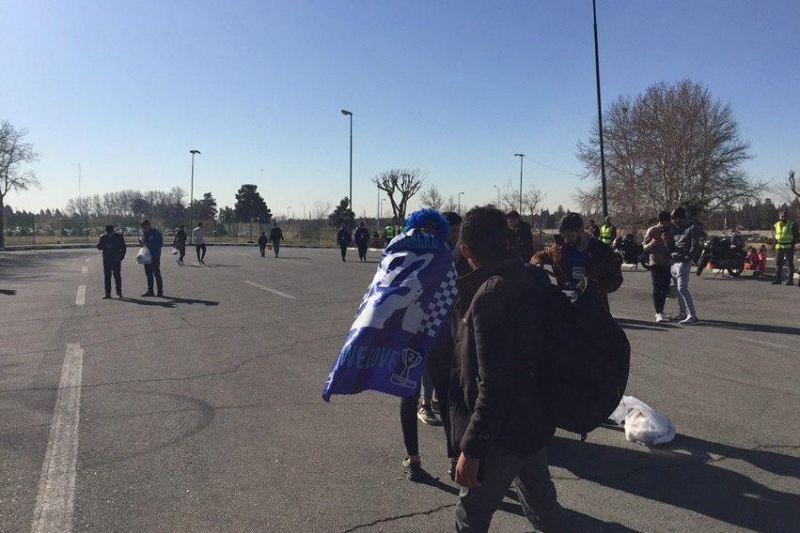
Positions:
{"x": 179, "y": 242}
{"x": 276, "y": 236}
{"x": 343, "y": 240}
{"x": 262, "y": 243}
{"x": 686, "y": 239}
{"x": 153, "y": 241}
{"x": 362, "y": 241}
{"x": 498, "y": 417}
{"x": 521, "y": 236}
{"x": 113, "y": 248}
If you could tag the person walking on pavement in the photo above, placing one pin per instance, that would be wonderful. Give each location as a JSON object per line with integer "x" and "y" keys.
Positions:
{"x": 113, "y": 247}
{"x": 199, "y": 240}
{"x": 276, "y": 236}
{"x": 389, "y": 233}
{"x": 658, "y": 242}
{"x": 179, "y": 243}
{"x": 262, "y": 243}
{"x": 521, "y": 237}
{"x": 153, "y": 241}
{"x": 785, "y": 232}
{"x": 608, "y": 232}
{"x": 343, "y": 240}
{"x": 362, "y": 241}
{"x": 686, "y": 246}
{"x": 499, "y": 420}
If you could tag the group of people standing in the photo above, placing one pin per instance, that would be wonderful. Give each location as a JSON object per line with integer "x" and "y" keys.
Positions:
{"x": 114, "y": 249}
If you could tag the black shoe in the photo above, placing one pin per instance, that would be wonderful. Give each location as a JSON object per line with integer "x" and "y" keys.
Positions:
{"x": 790, "y": 282}
{"x": 119, "y": 295}
{"x": 160, "y": 294}
{"x": 106, "y": 297}
{"x": 776, "y": 282}
{"x": 147, "y": 294}
{"x": 413, "y": 471}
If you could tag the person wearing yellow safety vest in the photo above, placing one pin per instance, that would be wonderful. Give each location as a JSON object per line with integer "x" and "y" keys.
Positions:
{"x": 785, "y": 239}
{"x": 608, "y": 232}
{"x": 390, "y": 232}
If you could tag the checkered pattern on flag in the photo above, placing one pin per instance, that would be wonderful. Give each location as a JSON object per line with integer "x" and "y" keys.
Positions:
{"x": 405, "y": 308}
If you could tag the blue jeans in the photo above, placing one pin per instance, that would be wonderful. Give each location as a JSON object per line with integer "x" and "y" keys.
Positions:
{"x": 680, "y": 275}
{"x": 531, "y": 479}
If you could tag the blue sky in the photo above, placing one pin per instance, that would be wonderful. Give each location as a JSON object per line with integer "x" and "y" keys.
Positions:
{"x": 454, "y": 88}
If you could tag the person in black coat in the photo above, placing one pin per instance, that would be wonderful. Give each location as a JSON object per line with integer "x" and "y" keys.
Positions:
{"x": 343, "y": 240}
{"x": 276, "y": 236}
{"x": 113, "y": 247}
{"x": 179, "y": 243}
{"x": 262, "y": 243}
{"x": 362, "y": 241}
{"x": 521, "y": 240}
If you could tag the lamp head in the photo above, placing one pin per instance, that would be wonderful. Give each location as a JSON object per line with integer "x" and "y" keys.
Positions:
{"x": 519, "y": 155}
{"x": 194, "y": 151}
{"x": 346, "y": 112}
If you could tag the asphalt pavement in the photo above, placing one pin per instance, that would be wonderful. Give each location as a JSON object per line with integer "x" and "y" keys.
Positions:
{"x": 202, "y": 411}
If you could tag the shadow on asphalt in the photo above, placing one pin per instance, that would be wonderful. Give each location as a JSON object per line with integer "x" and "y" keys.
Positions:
{"x": 684, "y": 474}
{"x": 8, "y": 292}
{"x": 632, "y": 323}
{"x": 171, "y": 302}
{"x": 192, "y": 265}
{"x": 743, "y": 326}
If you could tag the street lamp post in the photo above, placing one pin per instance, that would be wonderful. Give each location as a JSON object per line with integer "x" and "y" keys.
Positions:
{"x": 191, "y": 188}
{"x": 599, "y": 112}
{"x": 459, "y": 202}
{"x": 498, "y": 196}
{"x": 347, "y": 113}
{"x": 521, "y": 158}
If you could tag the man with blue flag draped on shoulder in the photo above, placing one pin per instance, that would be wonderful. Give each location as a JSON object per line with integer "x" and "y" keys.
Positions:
{"x": 405, "y": 308}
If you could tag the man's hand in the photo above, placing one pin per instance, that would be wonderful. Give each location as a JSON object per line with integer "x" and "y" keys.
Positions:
{"x": 467, "y": 472}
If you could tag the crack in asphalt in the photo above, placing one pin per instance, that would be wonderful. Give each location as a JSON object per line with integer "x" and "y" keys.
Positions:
{"x": 399, "y": 517}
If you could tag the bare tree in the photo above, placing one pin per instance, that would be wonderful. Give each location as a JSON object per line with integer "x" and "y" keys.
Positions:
{"x": 432, "y": 198}
{"x": 531, "y": 199}
{"x": 403, "y": 183}
{"x": 670, "y": 145}
{"x": 793, "y": 184}
{"x": 450, "y": 205}
{"x": 15, "y": 154}
{"x": 320, "y": 210}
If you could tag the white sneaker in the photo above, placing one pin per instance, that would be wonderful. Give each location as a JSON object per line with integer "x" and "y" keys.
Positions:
{"x": 660, "y": 318}
{"x": 689, "y": 320}
{"x": 679, "y": 317}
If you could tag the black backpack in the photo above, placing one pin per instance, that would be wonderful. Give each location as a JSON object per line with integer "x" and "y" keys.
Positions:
{"x": 586, "y": 363}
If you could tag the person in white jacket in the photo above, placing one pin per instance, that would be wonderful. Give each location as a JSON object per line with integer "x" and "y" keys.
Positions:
{"x": 199, "y": 240}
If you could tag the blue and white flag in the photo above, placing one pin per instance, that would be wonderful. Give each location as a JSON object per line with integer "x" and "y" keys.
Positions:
{"x": 406, "y": 307}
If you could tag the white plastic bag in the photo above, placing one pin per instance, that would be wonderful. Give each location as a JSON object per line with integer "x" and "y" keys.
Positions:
{"x": 643, "y": 424}
{"x": 174, "y": 251}
{"x": 144, "y": 257}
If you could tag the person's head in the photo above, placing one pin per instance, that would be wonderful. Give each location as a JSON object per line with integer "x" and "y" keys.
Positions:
{"x": 484, "y": 236}
{"x": 571, "y": 228}
{"x": 263, "y": 233}
{"x": 513, "y": 219}
{"x": 657, "y": 232}
{"x": 663, "y": 219}
{"x": 608, "y": 220}
{"x": 145, "y": 225}
{"x": 109, "y": 229}
{"x": 591, "y": 222}
{"x": 558, "y": 239}
{"x": 454, "y": 219}
{"x": 199, "y": 224}
{"x": 362, "y": 225}
{"x": 182, "y": 227}
{"x": 763, "y": 249}
{"x": 751, "y": 250}
{"x": 782, "y": 216}
{"x": 678, "y": 215}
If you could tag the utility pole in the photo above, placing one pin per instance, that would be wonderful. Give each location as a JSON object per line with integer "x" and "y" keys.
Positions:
{"x": 600, "y": 113}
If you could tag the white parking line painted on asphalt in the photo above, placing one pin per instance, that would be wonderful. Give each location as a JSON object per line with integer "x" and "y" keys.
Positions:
{"x": 56, "y": 498}
{"x": 765, "y": 343}
{"x": 273, "y": 291}
{"x": 80, "y": 298}
{"x": 294, "y": 262}
{"x": 87, "y": 259}
{"x": 84, "y": 270}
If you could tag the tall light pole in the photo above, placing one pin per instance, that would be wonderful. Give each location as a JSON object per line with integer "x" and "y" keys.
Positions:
{"x": 191, "y": 188}
{"x": 498, "y": 195}
{"x": 347, "y": 113}
{"x": 459, "y": 202}
{"x": 521, "y": 158}
{"x": 304, "y": 210}
{"x": 599, "y": 112}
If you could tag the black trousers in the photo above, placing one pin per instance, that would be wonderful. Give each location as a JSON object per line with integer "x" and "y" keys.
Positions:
{"x": 112, "y": 267}
{"x": 343, "y": 248}
{"x": 262, "y": 249}
{"x": 784, "y": 257}
{"x": 197, "y": 248}
{"x": 153, "y": 270}
{"x": 662, "y": 280}
{"x": 276, "y": 246}
{"x": 181, "y": 251}
{"x": 440, "y": 374}
{"x": 362, "y": 251}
